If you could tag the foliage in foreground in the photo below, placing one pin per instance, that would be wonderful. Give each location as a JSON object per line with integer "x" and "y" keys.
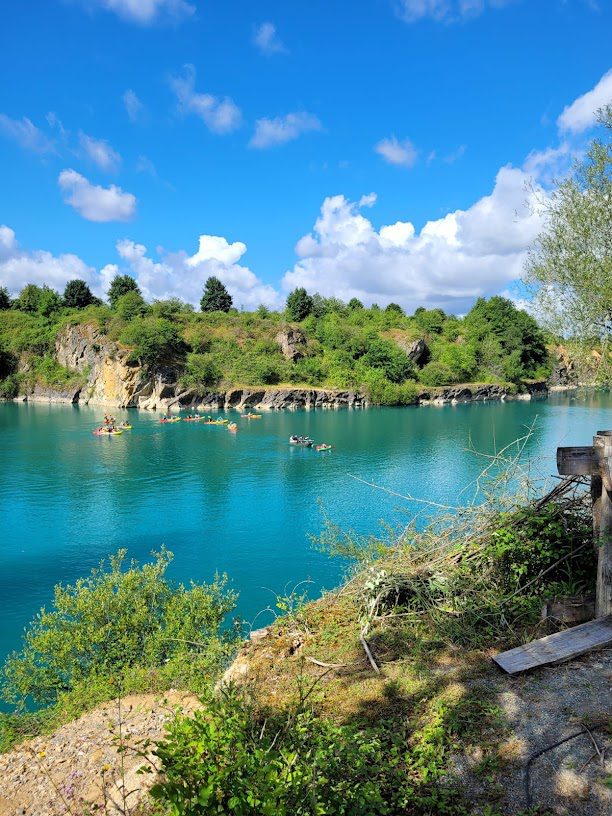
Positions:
{"x": 233, "y": 757}
{"x": 119, "y": 629}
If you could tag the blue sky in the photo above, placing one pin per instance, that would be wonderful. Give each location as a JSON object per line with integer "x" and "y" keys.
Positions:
{"x": 380, "y": 149}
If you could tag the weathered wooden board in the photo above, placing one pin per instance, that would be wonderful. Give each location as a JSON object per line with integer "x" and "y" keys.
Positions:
{"x": 558, "y": 647}
{"x": 578, "y": 461}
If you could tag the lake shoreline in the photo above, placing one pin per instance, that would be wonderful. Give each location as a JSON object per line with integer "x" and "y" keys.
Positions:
{"x": 292, "y": 399}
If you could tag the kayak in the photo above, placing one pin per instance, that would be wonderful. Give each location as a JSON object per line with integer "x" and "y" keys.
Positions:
{"x": 304, "y": 441}
{"x": 170, "y": 420}
{"x": 251, "y": 416}
{"x": 321, "y": 448}
{"x": 114, "y": 432}
{"x": 125, "y": 427}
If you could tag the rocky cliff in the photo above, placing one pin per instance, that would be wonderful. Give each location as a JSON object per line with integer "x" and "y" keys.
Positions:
{"x": 112, "y": 379}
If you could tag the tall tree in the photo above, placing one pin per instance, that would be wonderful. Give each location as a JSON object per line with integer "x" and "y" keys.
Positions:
{"x": 216, "y": 298}
{"x": 29, "y": 298}
{"x": 121, "y": 285}
{"x": 78, "y": 295}
{"x": 5, "y": 299}
{"x": 299, "y": 304}
{"x": 570, "y": 265}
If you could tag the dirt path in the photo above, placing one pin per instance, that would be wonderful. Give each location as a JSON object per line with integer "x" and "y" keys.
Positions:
{"x": 77, "y": 769}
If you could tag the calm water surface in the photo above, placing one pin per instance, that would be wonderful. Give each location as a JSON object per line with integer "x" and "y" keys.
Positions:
{"x": 244, "y": 504}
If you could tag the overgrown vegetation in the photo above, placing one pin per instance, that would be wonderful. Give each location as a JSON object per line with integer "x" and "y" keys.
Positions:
{"x": 124, "y": 628}
{"x": 343, "y": 346}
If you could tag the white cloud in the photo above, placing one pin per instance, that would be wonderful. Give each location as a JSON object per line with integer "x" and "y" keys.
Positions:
{"x": 219, "y": 115}
{"x": 283, "y": 129}
{"x": 453, "y": 260}
{"x": 267, "y": 41}
{"x": 19, "y": 266}
{"x": 93, "y": 202}
{"x": 100, "y": 153}
{"x": 393, "y": 151}
{"x": 146, "y": 12}
{"x": 134, "y": 107}
{"x": 448, "y": 11}
{"x": 180, "y": 275}
{"x": 581, "y": 114}
{"x": 26, "y": 134}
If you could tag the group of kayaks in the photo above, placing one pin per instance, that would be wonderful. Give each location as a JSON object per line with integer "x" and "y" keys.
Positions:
{"x": 111, "y": 428}
{"x": 307, "y": 442}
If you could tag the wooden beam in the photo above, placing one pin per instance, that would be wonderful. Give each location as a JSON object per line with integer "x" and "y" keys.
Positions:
{"x": 602, "y": 444}
{"x": 577, "y": 461}
{"x": 557, "y": 648}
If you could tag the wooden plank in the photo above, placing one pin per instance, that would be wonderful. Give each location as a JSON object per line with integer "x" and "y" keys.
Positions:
{"x": 602, "y": 444}
{"x": 577, "y": 461}
{"x": 557, "y": 648}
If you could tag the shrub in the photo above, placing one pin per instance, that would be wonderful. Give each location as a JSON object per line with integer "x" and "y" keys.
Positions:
{"x": 153, "y": 340}
{"x": 228, "y": 758}
{"x": 434, "y": 374}
{"x": 201, "y": 370}
{"x": 5, "y": 299}
{"x": 117, "y": 619}
{"x": 130, "y": 306}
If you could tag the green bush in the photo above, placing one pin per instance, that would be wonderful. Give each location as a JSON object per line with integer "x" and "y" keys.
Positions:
{"x": 229, "y": 759}
{"x": 201, "y": 370}
{"x": 299, "y": 304}
{"x": 435, "y": 374}
{"x": 130, "y": 306}
{"x": 153, "y": 340}
{"x": 119, "y": 286}
{"x": 119, "y": 618}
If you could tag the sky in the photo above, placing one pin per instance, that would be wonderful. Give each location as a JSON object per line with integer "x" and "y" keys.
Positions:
{"x": 390, "y": 150}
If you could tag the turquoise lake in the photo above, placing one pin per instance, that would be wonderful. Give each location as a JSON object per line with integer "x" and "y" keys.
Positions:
{"x": 244, "y": 504}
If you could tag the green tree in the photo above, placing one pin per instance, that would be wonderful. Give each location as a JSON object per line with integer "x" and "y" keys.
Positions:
{"x": 394, "y": 308}
{"x": 5, "y": 299}
{"x": 121, "y": 285}
{"x": 130, "y": 306}
{"x": 354, "y": 303}
{"x": 514, "y": 329}
{"x": 153, "y": 340}
{"x": 570, "y": 265}
{"x": 119, "y": 617}
{"x": 299, "y": 304}
{"x": 216, "y": 298}
{"x": 29, "y": 298}
{"x": 77, "y": 295}
{"x": 50, "y": 302}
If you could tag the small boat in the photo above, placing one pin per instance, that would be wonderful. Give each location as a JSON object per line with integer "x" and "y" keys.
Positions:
{"x": 191, "y": 419}
{"x": 107, "y": 432}
{"x": 304, "y": 441}
{"x": 169, "y": 420}
{"x": 251, "y": 416}
{"x": 323, "y": 447}
{"x": 125, "y": 426}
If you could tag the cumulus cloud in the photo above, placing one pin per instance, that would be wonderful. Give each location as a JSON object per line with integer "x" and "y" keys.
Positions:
{"x": 134, "y": 107}
{"x": 100, "y": 153}
{"x": 581, "y": 114}
{"x": 283, "y": 129}
{"x": 448, "y": 11}
{"x": 219, "y": 115}
{"x": 393, "y": 151}
{"x": 181, "y": 275}
{"x": 93, "y": 202}
{"x": 26, "y": 134}
{"x": 19, "y": 266}
{"x": 267, "y": 41}
{"x": 451, "y": 261}
{"x": 146, "y": 12}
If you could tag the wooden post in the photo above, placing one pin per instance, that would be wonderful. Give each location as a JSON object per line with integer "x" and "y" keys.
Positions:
{"x": 602, "y": 513}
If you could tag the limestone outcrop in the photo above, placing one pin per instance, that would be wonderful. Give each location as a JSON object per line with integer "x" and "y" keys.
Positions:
{"x": 292, "y": 342}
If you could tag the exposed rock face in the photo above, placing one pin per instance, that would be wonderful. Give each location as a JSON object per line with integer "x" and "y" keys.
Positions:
{"x": 292, "y": 342}
{"x": 418, "y": 352}
{"x": 481, "y": 393}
